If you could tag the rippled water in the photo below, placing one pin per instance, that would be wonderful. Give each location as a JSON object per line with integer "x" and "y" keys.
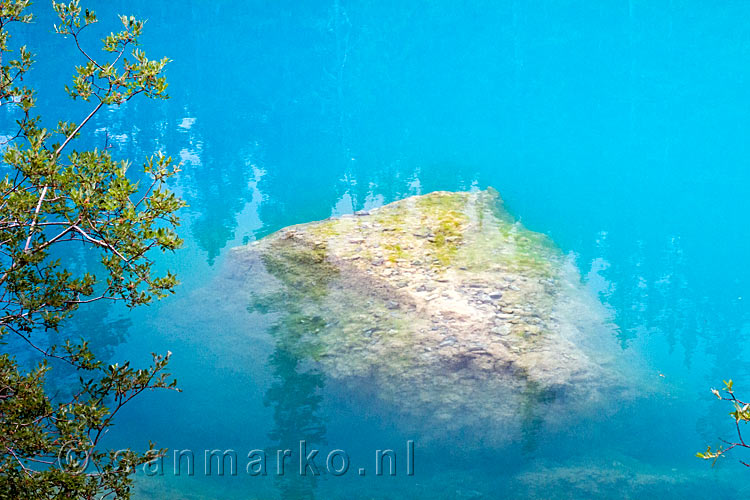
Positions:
{"x": 619, "y": 129}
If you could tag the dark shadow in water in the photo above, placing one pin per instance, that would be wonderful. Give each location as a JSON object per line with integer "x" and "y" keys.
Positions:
{"x": 295, "y": 399}
{"x": 295, "y": 394}
{"x": 535, "y": 403}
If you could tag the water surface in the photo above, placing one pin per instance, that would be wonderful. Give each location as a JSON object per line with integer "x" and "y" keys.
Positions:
{"x": 619, "y": 129}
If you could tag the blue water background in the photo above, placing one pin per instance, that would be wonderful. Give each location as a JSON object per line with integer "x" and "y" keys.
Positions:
{"x": 619, "y": 129}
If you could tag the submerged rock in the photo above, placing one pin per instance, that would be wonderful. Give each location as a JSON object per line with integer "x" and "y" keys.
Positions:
{"x": 440, "y": 305}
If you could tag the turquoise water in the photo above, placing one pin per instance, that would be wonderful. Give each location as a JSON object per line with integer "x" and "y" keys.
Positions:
{"x": 618, "y": 129}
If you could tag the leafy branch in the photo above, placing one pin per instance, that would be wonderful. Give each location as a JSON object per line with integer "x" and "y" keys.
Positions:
{"x": 55, "y": 197}
{"x": 741, "y": 414}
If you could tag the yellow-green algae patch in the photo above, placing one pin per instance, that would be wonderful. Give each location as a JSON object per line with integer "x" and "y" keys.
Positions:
{"x": 442, "y": 300}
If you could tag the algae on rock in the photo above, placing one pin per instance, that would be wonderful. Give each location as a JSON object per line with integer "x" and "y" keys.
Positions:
{"x": 442, "y": 302}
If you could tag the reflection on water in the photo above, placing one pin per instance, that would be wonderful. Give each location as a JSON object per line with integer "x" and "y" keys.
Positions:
{"x": 295, "y": 398}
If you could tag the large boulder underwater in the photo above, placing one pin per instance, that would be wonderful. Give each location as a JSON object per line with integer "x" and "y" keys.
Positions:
{"x": 441, "y": 306}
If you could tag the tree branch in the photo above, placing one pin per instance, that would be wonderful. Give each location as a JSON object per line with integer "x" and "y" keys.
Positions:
{"x": 46, "y": 187}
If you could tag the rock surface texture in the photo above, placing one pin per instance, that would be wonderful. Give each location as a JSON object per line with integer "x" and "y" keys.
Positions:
{"x": 441, "y": 305}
